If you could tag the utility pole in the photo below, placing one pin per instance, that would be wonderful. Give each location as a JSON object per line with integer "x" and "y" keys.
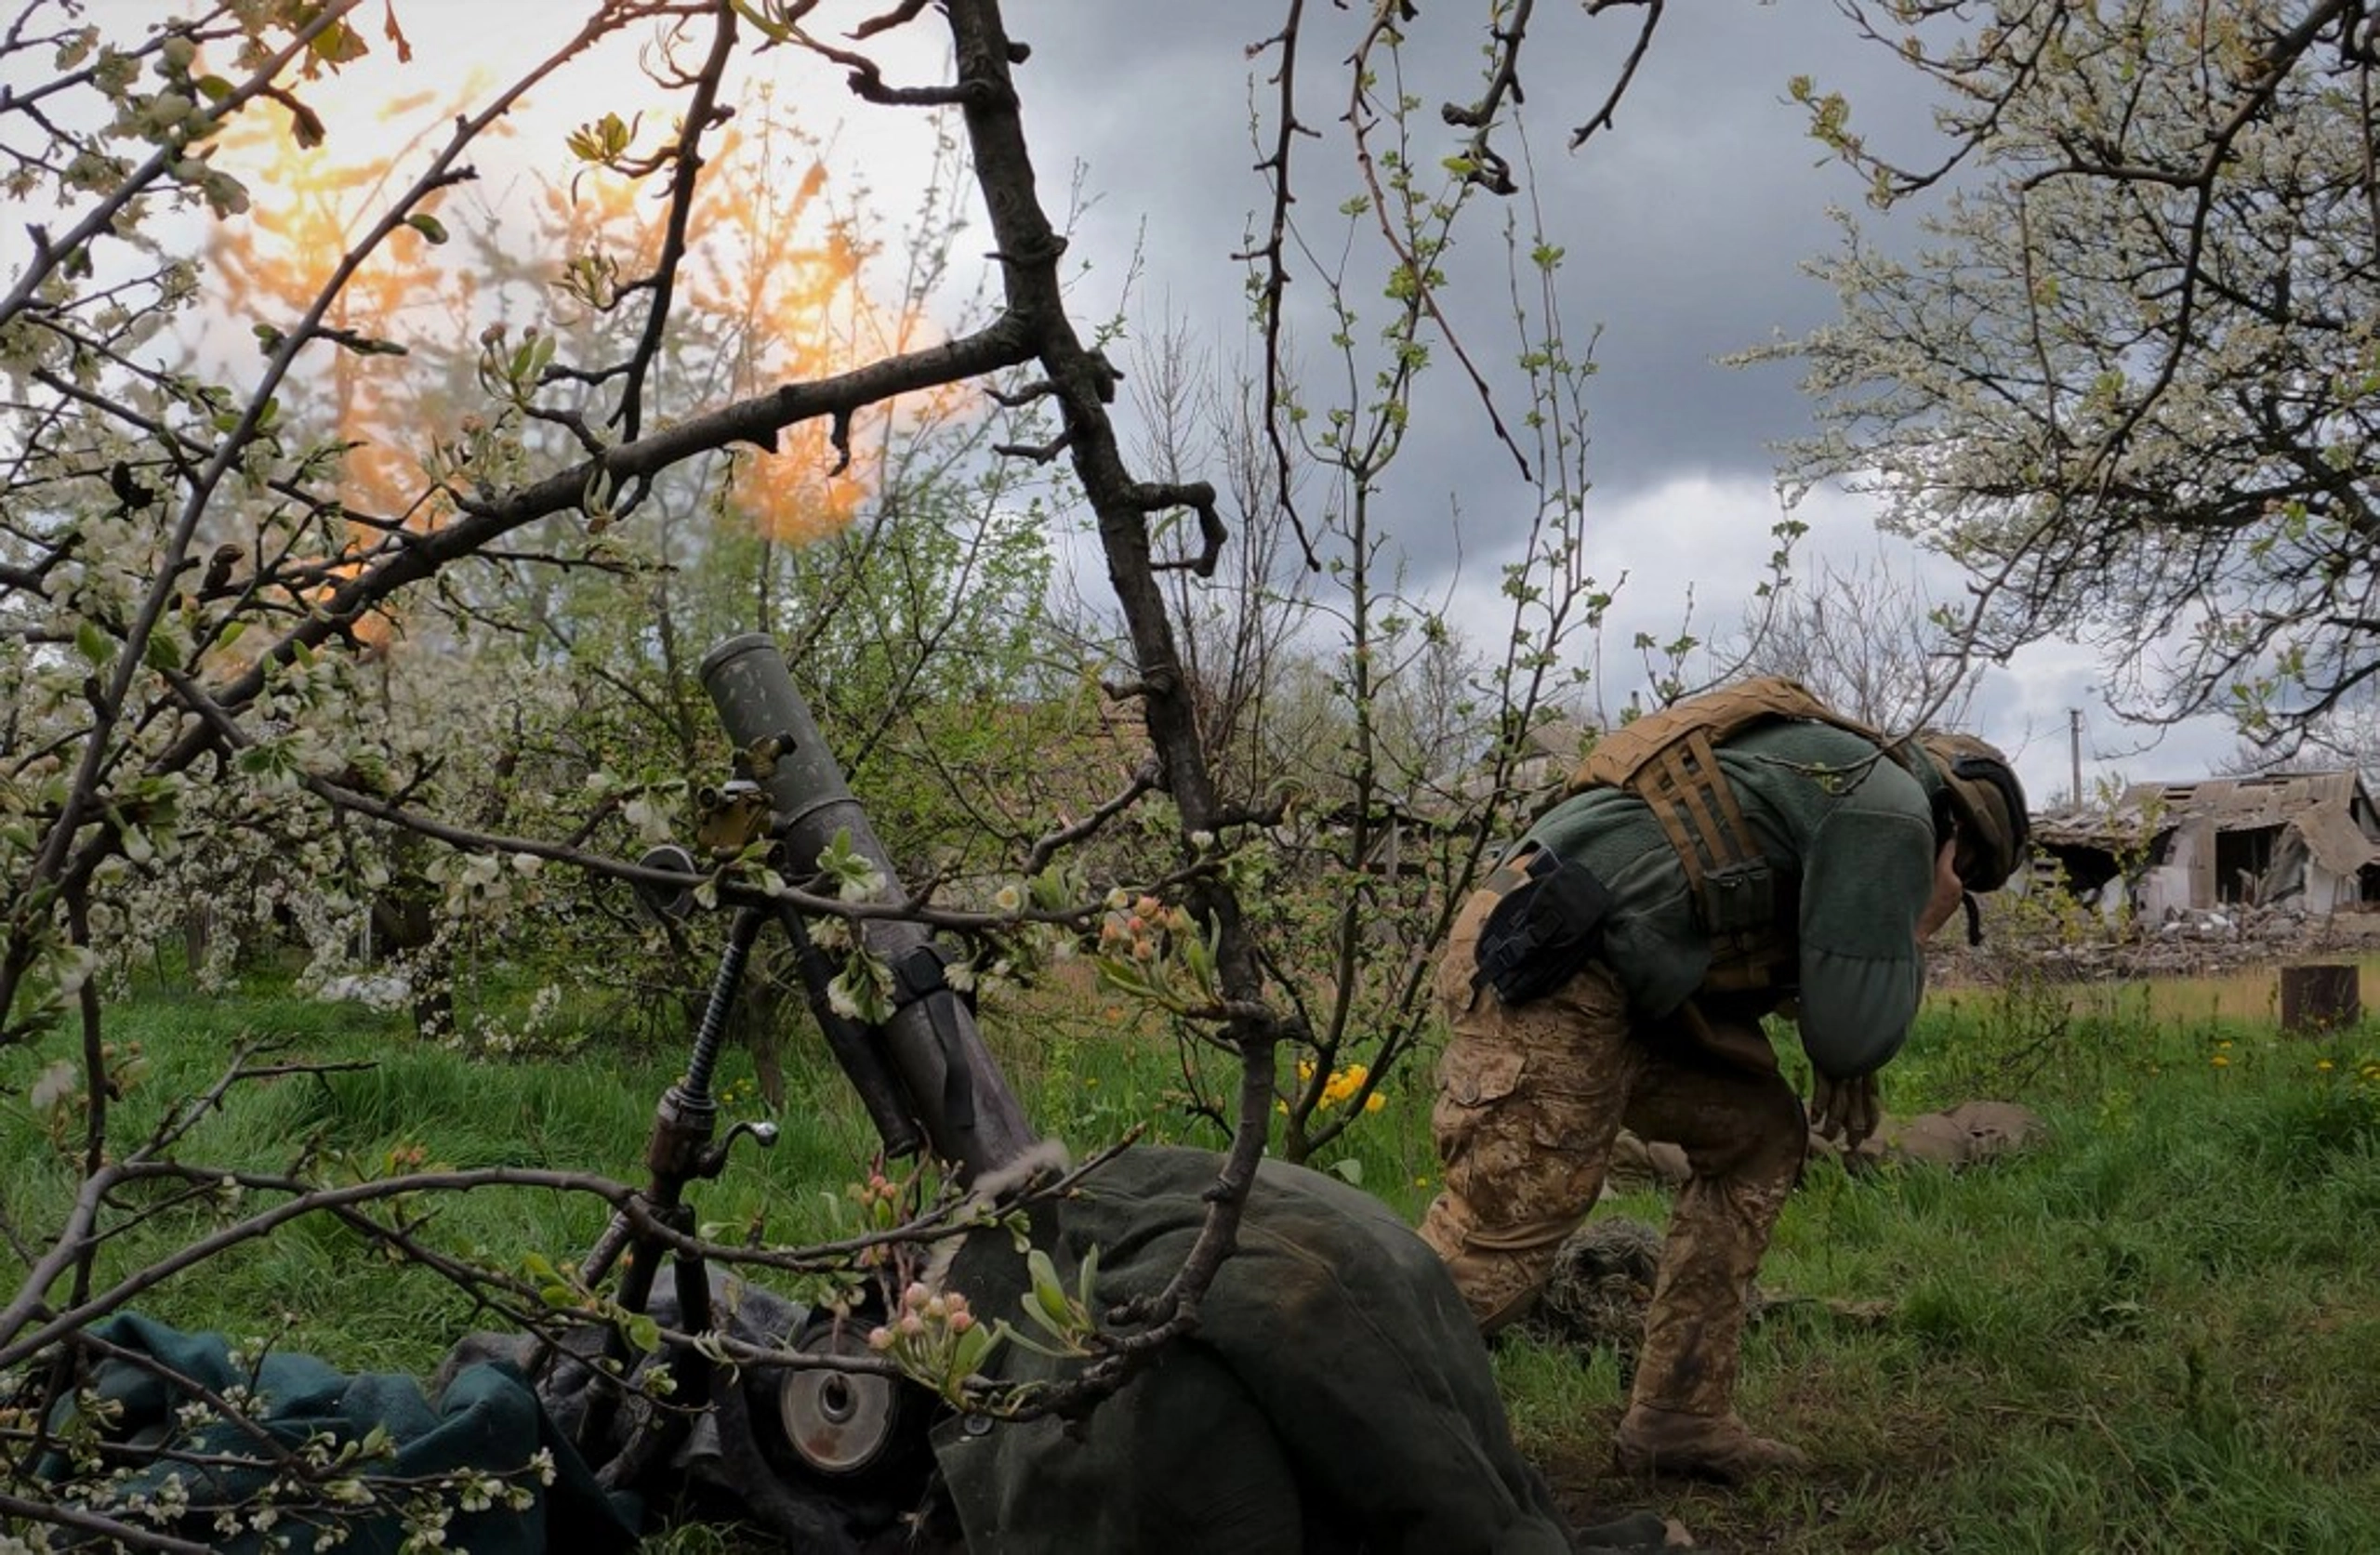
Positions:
{"x": 2074, "y": 740}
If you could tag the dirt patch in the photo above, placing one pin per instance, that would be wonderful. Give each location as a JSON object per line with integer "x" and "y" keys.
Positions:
{"x": 1832, "y": 1511}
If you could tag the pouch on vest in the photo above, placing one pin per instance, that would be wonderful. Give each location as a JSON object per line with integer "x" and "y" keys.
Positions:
{"x": 1739, "y": 898}
{"x": 1543, "y": 929}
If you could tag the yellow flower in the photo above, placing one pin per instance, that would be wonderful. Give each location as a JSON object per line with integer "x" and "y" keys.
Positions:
{"x": 2322, "y": 1065}
{"x": 1375, "y": 1103}
{"x": 1420, "y": 1183}
{"x": 2220, "y": 1061}
{"x": 1343, "y": 1084}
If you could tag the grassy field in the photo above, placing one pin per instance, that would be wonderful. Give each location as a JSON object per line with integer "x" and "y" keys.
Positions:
{"x": 2157, "y": 1332}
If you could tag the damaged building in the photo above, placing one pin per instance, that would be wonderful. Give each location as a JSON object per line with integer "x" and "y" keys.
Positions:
{"x": 2308, "y": 841}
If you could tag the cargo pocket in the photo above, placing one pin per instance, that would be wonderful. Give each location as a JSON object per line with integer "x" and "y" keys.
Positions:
{"x": 1474, "y": 1086}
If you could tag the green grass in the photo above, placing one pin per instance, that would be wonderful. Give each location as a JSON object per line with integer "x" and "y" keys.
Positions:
{"x": 2160, "y": 1331}
{"x": 315, "y": 1282}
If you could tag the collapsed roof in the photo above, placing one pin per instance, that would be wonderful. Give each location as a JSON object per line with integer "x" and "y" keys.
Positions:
{"x": 2325, "y": 808}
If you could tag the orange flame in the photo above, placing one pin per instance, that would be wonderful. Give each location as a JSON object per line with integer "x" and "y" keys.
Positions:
{"x": 772, "y": 283}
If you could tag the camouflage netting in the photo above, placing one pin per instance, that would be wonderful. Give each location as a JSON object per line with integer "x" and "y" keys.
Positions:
{"x": 1602, "y": 1280}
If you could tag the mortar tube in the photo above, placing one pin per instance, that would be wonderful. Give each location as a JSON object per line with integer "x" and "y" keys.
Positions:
{"x": 961, "y": 1098}
{"x": 856, "y": 1051}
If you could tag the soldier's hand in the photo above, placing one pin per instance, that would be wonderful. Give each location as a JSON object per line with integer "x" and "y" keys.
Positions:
{"x": 1844, "y": 1110}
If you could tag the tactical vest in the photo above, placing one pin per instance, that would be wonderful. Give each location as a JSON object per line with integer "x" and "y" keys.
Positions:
{"x": 1668, "y": 759}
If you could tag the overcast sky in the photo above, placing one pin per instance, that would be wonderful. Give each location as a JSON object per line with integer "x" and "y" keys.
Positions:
{"x": 1686, "y": 225}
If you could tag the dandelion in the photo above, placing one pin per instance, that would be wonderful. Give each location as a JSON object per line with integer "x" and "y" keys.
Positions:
{"x": 2222, "y": 1063}
{"x": 2322, "y": 1066}
{"x": 1375, "y": 1101}
{"x": 1343, "y": 1084}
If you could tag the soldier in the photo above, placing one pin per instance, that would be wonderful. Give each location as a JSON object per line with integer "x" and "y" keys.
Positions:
{"x": 1711, "y": 861}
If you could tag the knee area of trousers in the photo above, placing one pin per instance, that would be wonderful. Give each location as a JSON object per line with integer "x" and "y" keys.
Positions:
{"x": 1776, "y": 1143}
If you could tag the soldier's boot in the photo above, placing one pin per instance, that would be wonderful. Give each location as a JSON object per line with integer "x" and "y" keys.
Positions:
{"x": 1681, "y": 1417}
{"x": 1656, "y": 1441}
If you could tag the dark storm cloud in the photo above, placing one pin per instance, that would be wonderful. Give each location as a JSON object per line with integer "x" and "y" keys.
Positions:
{"x": 1686, "y": 224}
{"x": 1686, "y": 227}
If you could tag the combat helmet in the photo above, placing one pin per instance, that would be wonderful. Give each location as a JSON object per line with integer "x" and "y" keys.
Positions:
{"x": 1987, "y": 803}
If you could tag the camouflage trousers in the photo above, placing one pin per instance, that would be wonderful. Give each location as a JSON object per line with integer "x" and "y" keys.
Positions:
{"x": 1529, "y": 1101}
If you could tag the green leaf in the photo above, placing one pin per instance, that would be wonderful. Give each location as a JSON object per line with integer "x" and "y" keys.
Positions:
{"x": 1047, "y": 1303}
{"x": 337, "y": 44}
{"x": 93, "y": 644}
{"x": 429, "y": 226}
{"x": 974, "y": 1346}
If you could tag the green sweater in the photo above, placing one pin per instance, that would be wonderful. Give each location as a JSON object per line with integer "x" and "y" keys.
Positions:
{"x": 1852, "y": 826}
